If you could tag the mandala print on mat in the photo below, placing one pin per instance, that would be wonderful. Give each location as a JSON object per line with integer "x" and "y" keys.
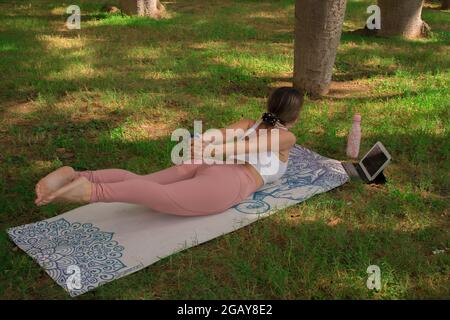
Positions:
{"x": 58, "y": 244}
{"x": 308, "y": 173}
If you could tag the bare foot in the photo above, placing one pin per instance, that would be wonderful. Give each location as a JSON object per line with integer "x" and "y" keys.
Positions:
{"x": 53, "y": 181}
{"x": 78, "y": 191}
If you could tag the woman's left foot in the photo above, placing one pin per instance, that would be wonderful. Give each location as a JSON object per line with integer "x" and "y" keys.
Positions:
{"x": 54, "y": 181}
{"x": 78, "y": 191}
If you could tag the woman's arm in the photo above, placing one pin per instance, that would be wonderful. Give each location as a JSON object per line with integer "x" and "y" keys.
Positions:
{"x": 210, "y": 137}
{"x": 238, "y": 127}
{"x": 285, "y": 141}
{"x": 229, "y": 146}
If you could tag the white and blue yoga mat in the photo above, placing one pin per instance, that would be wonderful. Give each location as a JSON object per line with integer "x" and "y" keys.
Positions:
{"x": 106, "y": 241}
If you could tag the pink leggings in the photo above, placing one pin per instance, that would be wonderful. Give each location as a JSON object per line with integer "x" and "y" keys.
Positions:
{"x": 186, "y": 189}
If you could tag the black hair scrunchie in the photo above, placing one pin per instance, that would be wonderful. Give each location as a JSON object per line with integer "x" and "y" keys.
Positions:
{"x": 270, "y": 118}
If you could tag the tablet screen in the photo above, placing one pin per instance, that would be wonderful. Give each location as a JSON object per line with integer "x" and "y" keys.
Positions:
{"x": 374, "y": 160}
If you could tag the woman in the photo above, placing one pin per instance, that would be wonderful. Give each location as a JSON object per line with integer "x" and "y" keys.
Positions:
{"x": 189, "y": 189}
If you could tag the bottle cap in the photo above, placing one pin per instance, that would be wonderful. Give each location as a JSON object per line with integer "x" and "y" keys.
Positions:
{"x": 357, "y": 117}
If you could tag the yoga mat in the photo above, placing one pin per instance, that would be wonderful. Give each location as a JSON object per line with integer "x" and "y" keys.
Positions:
{"x": 101, "y": 242}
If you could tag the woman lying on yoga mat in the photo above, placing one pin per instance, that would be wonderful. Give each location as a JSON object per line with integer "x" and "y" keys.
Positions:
{"x": 189, "y": 189}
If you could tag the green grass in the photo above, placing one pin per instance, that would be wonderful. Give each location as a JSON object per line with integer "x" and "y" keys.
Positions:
{"x": 112, "y": 93}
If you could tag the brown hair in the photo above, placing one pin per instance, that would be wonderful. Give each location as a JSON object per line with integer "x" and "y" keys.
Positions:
{"x": 284, "y": 104}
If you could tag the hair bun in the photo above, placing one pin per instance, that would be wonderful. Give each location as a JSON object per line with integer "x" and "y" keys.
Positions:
{"x": 270, "y": 118}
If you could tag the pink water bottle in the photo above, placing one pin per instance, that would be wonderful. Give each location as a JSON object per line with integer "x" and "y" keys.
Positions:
{"x": 354, "y": 138}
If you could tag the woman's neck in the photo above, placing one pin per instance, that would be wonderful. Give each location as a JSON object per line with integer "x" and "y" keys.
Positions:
{"x": 265, "y": 126}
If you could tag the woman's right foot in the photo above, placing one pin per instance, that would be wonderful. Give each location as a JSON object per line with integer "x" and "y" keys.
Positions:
{"x": 54, "y": 181}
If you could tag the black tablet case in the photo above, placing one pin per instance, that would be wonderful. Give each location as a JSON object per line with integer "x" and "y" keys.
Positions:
{"x": 355, "y": 172}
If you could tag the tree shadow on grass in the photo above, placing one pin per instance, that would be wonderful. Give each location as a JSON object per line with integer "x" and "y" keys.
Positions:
{"x": 331, "y": 261}
{"x": 120, "y": 72}
{"x": 290, "y": 259}
{"x": 377, "y": 56}
{"x": 418, "y": 157}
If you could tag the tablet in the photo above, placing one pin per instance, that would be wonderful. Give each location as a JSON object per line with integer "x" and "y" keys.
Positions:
{"x": 375, "y": 161}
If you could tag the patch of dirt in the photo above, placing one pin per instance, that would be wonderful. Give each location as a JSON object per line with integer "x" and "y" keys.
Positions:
{"x": 13, "y": 112}
{"x": 334, "y": 221}
{"x": 429, "y": 5}
{"x": 156, "y": 129}
{"x": 285, "y": 80}
{"x": 348, "y": 89}
{"x": 110, "y": 9}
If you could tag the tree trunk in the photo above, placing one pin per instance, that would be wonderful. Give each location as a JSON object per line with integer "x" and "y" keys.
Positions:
{"x": 318, "y": 28}
{"x": 445, "y": 4}
{"x": 149, "y": 8}
{"x": 402, "y": 18}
